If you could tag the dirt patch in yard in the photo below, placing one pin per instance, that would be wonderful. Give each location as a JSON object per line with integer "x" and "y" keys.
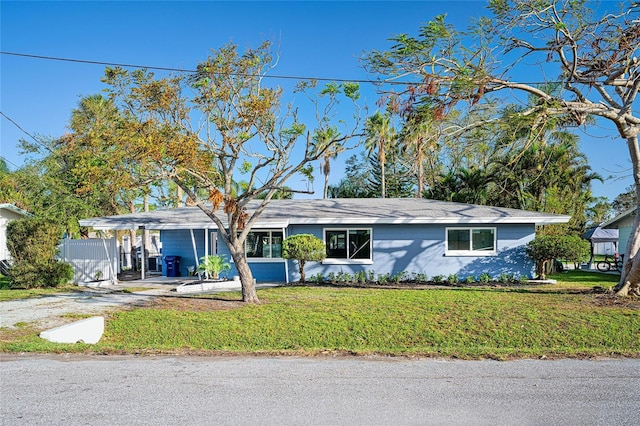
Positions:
{"x": 193, "y": 304}
{"x": 611, "y": 300}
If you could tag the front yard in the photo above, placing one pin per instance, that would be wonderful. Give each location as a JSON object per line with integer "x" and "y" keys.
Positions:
{"x": 561, "y": 320}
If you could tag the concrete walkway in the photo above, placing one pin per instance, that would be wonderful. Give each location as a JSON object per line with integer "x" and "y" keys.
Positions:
{"x": 49, "y": 311}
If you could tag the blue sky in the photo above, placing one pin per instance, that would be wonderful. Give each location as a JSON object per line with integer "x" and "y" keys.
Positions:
{"x": 316, "y": 39}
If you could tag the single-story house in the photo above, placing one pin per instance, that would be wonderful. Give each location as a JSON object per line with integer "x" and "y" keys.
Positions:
{"x": 624, "y": 224}
{"x": 384, "y": 236}
{"x": 8, "y": 212}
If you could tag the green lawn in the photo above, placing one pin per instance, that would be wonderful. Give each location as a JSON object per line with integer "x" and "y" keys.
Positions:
{"x": 464, "y": 323}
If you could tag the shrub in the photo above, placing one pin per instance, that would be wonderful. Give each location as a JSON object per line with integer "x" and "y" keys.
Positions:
{"x": 484, "y": 278}
{"x": 344, "y": 277}
{"x": 399, "y": 277}
{"x": 384, "y": 278}
{"x": 419, "y": 277}
{"x": 33, "y": 244}
{"x": 303, "y": 248}
{"x": 361, "y": 277}
{"x": 317, "y": 278}
{"x": 213, "y": 265}
{"x": 545, "y": 249}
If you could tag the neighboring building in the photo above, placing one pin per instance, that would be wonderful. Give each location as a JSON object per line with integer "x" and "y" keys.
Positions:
{"x": 8, "y": 212}
{"x": 623, "y": 223}
{"x": 379, "y": 235}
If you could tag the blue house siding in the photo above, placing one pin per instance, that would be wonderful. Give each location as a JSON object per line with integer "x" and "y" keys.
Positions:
{"x": 396, "y": 248}
{"x": 421, "y": 249}
{"x": 178, "y": 243}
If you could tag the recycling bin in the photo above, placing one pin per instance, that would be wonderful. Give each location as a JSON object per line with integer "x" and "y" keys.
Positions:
{"x": 173, "y": 265}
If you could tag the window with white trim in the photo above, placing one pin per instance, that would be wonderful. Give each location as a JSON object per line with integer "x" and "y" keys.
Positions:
{"x": 471, "y": 241}
{"x": 265, "y": 244}
{"x": 349, "y": 244}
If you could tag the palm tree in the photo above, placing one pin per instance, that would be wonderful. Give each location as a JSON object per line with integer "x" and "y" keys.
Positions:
{"x": 379, "y": 133}
{"x": 320, "y": 138}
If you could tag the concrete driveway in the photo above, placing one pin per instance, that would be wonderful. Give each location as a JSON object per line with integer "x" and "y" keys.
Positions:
{"x": 48, "y": 311}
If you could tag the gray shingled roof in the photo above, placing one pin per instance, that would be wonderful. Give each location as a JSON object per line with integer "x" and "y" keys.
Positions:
{"x": 281, "y": 213}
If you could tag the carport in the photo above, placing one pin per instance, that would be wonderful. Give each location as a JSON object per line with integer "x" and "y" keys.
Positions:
{"x": 597, "y": 235}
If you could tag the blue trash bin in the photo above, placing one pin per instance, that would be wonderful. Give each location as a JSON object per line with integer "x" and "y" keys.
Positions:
{"x": 173, "y": 265}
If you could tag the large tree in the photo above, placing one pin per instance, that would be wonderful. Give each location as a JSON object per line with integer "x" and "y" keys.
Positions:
{"x": 590, "y": 54}
{"x": 49, "y": 186}
{"x": 205, "y": 129}
{"x": 379, "y": 135}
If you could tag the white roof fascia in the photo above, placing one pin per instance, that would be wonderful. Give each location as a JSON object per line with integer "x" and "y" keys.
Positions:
{"x": 617, "y": 218}
{"x": 15, "y": 209}
{"x": 97, "y": 225}
{"x": 541, "y": 220}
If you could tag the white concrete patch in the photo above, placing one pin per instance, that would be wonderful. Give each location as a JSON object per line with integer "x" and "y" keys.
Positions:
{"x": 97, "y": 284}
{"x": 197, "y": 287}
{"x": 86, "y": 331}
{"x": 548, "y": 281}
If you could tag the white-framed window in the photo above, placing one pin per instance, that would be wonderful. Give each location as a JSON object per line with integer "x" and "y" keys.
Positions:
{"x": 263, "y": 244}
{"x": 350, "y": 245}
{"x": 479, "y": 241}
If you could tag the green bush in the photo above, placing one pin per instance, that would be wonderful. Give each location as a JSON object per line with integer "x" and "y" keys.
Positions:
{"x": 545, "y": 249}
{"x": 303, "y": 248}
{"x": 213, "y": 265}
{"x": 33, "y": 244}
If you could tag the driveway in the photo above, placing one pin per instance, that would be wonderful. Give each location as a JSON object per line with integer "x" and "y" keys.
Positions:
{"x": 49, "y": 311}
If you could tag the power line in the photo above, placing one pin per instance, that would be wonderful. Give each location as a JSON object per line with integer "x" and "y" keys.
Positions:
{"x": 189, "y": 71}
{"x": 6, "y": 160}
{"x": 25, "y": 132}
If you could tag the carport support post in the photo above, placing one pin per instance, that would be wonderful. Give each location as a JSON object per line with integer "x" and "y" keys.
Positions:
{"x": 195, "y": 252}
{"x": 142, "y": 249}
{"x": 286, "y": 262}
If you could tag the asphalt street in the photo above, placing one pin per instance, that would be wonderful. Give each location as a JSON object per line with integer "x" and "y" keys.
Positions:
{"x": 128, "y": 390}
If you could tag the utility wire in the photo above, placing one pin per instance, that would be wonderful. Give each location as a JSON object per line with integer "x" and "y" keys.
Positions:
{"x": 183, "y": 70}
{"x": 25, "y": 132}
{"x": 274, "y": 76}
{"x": 6, "y": 160}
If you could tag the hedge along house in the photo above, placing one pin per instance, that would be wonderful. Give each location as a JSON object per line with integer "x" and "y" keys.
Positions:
{"x": 385, "y": 236}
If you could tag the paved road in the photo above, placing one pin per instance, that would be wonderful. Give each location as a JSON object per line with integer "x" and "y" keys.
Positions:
{"x": 74, "y": 390}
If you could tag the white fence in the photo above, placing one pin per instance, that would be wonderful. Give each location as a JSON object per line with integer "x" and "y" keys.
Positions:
{"x": 93, "y": 259}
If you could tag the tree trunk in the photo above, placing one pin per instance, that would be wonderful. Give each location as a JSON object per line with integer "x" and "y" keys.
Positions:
{"x": 302, "y": 277}
{"x": 420, "y": 178}
{"x": 630, "y": 275}
{"x": 249, "y": 294}
{"x": 383, "y": 179}
{"x": 326, "y": 169}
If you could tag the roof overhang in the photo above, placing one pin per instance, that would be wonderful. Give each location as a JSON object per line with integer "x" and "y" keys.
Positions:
{"x": 13, "y": 208}
{"x": 433, "y": 221}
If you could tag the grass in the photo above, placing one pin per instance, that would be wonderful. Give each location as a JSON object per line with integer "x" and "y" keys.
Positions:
{"x": 462, "y": 323}
{"x": 15, "y": 294}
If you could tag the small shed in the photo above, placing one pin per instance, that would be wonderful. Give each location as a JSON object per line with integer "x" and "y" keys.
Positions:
{"x": 603, "y": 241}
